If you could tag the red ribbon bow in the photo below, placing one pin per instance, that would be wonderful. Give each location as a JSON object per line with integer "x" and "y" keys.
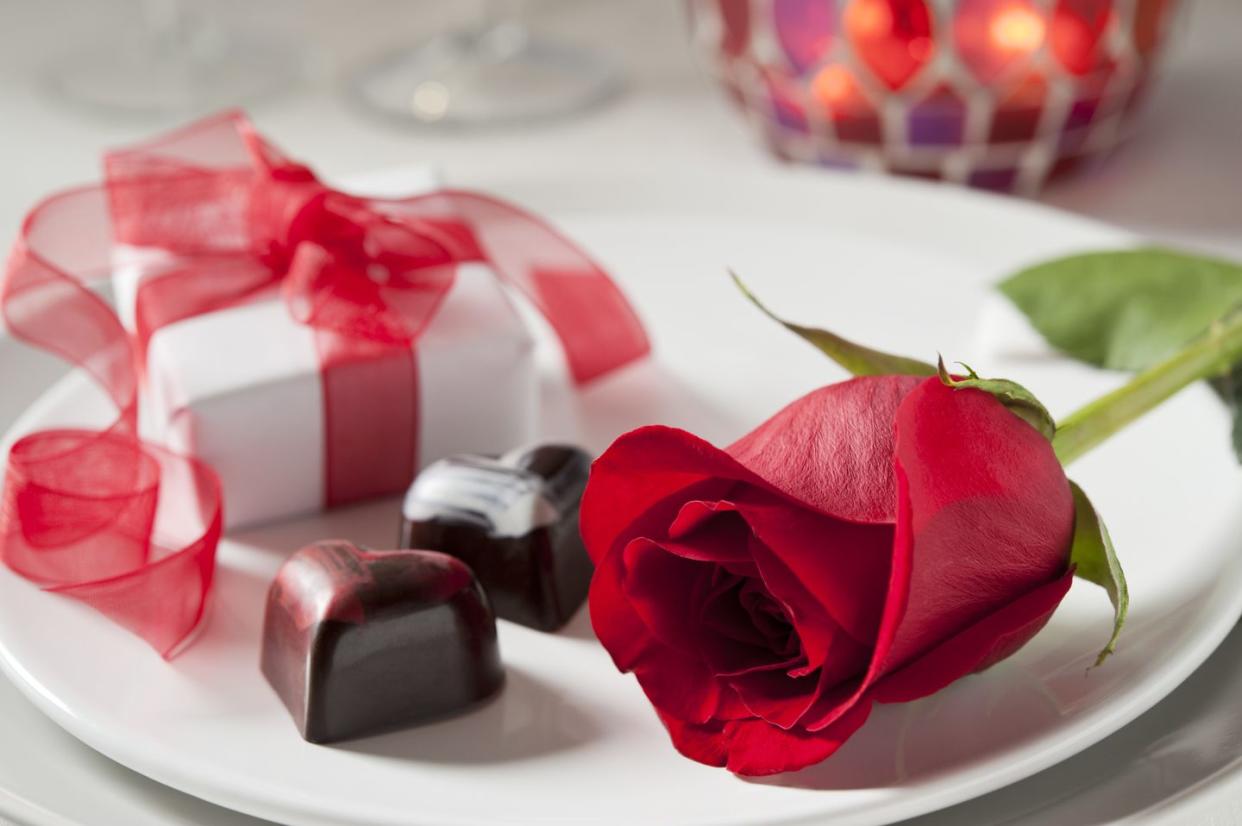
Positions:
{"x": 81, "y": 509}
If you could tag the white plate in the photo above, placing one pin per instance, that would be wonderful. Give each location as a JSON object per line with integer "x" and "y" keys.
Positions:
{"x": 903, "y": 266}
{"x": 1178, "y": 763}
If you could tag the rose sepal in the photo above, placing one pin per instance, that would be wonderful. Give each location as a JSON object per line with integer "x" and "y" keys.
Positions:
{"x": 1095, "y": 560}
{"x": 1020, "y": 401}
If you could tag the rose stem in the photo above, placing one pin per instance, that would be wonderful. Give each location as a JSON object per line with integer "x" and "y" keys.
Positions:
{"x": 1210, "y": 356}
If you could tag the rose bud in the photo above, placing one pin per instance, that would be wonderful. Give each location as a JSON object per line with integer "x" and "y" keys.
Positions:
{"x": 871, "y": 543}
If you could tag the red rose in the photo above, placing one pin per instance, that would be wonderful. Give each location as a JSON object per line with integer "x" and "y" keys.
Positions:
{"x": 872, "y": 542}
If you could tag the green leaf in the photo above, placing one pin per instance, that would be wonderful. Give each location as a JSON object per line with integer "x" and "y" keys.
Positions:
{"x": 1020, "y": 401}
{"x": 1127, "y": 309}
{"x": 1095, "y": 561}
{"x": 857, "y": 359}
{"x": 1131, "y": 309}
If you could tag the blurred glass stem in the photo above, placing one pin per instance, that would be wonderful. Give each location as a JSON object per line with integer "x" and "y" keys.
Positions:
{"x": 491, "y": 71}
{"x": 177, "y": 59}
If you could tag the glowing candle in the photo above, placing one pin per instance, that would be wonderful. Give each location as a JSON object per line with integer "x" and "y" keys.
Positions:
{"x": 961, "y": 89}
{"x": 1017, "y": 28}
{"x": 834, "y": 86}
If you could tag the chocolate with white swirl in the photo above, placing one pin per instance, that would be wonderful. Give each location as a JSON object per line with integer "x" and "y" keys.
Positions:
{"x": 514, "y": 521}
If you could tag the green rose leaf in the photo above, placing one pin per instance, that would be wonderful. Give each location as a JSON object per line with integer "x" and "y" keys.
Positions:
{"x": 1095, "y": 561}
{"x": 1126, "y": 309}
{"x": 1130, "y": 309}
{"x": 1020, "y": 401}
{"x": 857, "y": 359}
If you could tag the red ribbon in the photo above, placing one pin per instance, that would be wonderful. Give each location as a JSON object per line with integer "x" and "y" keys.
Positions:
{"x": 132, "y": 529}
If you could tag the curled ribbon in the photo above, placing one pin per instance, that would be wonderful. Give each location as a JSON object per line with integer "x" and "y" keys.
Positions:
{"x": 131, "y": 528}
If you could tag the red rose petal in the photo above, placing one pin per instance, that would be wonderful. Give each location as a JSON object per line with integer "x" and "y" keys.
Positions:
{"x": 845, "y": 565}
{"x": 711, "y": 532}
{"x": 982, "y": 644}
{"x": 639, "y": 482}
{"x": 846, "y": 662}
{"x": 818, "y": 630}
{"x": 737, "y": 648}
{"x": 971, "y": 457}
{"x": 701, "y": 742}
{"x": 668, "y": 593}
{"x": 832, "y": 448}
{"x": 784, "y": 699}
{"x": 659, "y": 587}
{"x": 643, "y": 470}
{"x": 990, "y": 513}
{"x": 822, "y": 637}
{"x": 756, "y": 748}
{"x": 977, "y": 562}
{"x": 835, "y": 702}
{"x": 775, "y": 697}
{"x": 730, "y": 706}
{"x": 619, "y": 629}
{"x": 682, "y": 686}
{"x": 670, "y": 680}
{"x": 698, "y": 514}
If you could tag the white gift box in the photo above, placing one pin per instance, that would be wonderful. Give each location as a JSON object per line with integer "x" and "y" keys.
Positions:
{"x": 241, "y": 388}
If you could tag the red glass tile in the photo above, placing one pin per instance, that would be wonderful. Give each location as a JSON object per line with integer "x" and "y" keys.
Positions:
{"x": 892, "y": 37}
{"x": 1077, "y": 34}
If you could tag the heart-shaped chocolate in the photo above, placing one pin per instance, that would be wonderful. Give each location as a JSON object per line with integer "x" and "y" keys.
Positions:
{"x": 358, "y": 641}
{"x": 514, "y": 521}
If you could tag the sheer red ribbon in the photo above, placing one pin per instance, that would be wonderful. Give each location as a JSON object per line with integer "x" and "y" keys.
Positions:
{"x": 132, "y": 529}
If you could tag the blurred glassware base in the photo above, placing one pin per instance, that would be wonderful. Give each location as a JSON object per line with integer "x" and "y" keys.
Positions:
{"x": 177, "y": 61}
{"x": 497, "y": 73}
{"x": 997, "y": 94}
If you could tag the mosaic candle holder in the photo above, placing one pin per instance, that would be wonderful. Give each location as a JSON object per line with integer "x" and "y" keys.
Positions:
{"x": 1000, "y": 94}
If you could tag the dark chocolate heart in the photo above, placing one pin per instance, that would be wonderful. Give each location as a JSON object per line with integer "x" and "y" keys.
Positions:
{"x": 514, "y": 521}
{"x": 358, "y": 641}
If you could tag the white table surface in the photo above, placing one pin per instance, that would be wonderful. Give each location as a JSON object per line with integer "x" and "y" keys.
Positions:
{"x": 1179, "y": 181}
